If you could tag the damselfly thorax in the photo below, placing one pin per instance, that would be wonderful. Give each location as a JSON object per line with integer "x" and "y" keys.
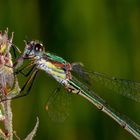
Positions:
{"x": 59, "y": 71}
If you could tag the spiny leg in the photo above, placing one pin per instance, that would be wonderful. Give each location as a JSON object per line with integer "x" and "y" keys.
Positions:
{"x": 30, "y": 80}
{"x": 29, "y": 72}
{"x": 23, "y": 68}
{"x": 15, "y": 49}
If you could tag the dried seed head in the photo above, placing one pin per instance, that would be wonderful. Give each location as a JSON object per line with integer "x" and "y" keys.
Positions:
{"x": 6, "y": 70}
{"x": 5, "y": 45}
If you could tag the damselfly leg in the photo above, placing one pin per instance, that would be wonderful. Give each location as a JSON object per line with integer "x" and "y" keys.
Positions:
{"x": 28, "y": 84}
{"x": 31, "y": 75}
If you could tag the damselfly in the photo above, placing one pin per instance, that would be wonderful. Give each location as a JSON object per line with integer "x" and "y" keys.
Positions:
{"x": 61, "y": 71}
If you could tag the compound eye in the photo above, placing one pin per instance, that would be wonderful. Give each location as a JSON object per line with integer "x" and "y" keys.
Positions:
{"x": 38, "y": 47}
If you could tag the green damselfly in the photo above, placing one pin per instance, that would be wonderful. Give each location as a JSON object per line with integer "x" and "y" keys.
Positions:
{"x": 61, "y": 71}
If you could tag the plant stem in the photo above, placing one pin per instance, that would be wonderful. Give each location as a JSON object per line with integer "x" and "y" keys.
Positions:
{"x": 8, "y": 119}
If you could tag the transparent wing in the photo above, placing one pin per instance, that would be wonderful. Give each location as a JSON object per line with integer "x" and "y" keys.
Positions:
{"x": 127, "y": 88}
{"x": 58, "y": 105}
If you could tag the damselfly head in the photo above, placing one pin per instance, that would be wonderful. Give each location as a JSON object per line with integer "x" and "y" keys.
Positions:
{"x": 33, "y": 49}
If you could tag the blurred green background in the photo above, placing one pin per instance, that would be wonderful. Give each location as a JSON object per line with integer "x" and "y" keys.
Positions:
{"x": 102, "y": 34}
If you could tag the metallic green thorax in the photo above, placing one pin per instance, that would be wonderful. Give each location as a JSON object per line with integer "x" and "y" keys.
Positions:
{"x": 56, "y": 58}
{"x": 57, "y": 72}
